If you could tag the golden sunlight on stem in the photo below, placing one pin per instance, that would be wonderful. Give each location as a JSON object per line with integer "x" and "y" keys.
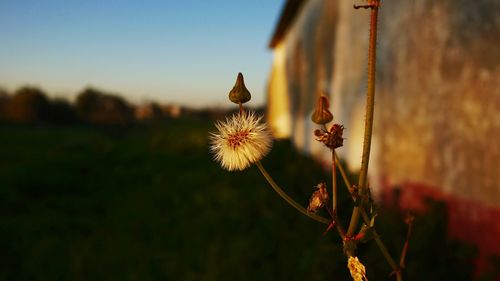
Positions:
{"x": 370, "y": 104}
{"x": 287, "y": 198}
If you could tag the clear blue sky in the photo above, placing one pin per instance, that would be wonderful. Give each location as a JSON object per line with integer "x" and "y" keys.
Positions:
{"x": 187, "y": 51}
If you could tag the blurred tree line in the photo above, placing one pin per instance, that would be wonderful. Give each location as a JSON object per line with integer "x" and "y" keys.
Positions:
{"x": 31, "y": 105}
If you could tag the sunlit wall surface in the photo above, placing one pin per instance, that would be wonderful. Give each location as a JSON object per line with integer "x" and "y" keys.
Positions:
{"x": 278, "y": 111}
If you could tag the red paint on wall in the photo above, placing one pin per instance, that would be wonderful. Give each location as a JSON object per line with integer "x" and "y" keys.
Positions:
{"x": 468, "y": 220}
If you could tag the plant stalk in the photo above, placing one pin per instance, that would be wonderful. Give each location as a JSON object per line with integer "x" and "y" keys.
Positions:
{"x": 334, "y": 183}
{"x": 366, "y": 220}
{"x": 287, "y": 198}
{"x": 240, "y": 105}
{"x": 370, "y": 104}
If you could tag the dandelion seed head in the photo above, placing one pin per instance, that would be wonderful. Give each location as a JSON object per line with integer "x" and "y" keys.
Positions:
{"x": 240, "y": 141}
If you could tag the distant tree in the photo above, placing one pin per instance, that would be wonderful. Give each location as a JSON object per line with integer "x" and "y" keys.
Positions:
{"x": 87, "y": 103}
{"x": 4, "y": 99}
{"x": 148, "y": 112}
{"x": 156, "y": 111}
{"x": 28, "y": 105}
{"x": 94, "y": 106}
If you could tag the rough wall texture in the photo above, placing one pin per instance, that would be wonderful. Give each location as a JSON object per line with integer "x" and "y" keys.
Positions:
{"x": 439, "y": 103}
{"x": 308, "y": 51}
{"x": 437, "y": 117}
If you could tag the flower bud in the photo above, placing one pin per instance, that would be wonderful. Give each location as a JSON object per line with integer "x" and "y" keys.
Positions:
{"x": 239, "y": 93}
{"x": 331, "y": 138}
{"x": 322, "y": 114}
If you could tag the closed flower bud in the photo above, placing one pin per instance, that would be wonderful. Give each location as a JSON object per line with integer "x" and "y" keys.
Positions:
{"x": 239, "y": 93}
{"x": 322, "y": 114}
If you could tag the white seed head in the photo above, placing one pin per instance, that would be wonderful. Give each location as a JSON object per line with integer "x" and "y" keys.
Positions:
{"x": 240, "y": 141}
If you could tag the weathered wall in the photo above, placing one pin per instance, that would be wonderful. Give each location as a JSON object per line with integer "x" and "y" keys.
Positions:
{"x": 438, "y": 122}
{"x": 439, "y": 103}
{"x": 302, "y": 68}
{"x": 437, "y": 117}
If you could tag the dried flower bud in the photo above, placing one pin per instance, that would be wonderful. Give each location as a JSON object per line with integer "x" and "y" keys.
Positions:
{"x": 357, "y": 269}
{"x": 239, "y": 93}
{"x": 331, "y": 138}
{"x": 318, "y": 199}
{"x": 322, "y": 114}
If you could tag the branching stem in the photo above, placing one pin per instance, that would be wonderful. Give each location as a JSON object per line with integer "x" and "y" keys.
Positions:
{"x": 366, "y": 220}
{"x": 299, "y": 207}
{"x": 287, "y": 198}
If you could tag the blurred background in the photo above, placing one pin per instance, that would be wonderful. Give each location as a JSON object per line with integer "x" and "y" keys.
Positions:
{"x": 106, "y": 107}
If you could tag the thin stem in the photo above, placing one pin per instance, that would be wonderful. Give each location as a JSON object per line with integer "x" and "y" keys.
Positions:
{"x": 370, "y": 104}
{"x": 386, "y": 253}
{"x": 336, "y": 222}
{"x": 241, "y": 108}
{"x": 407, "y": 241}
{"x": 287, "y": 198}
{"x": 343, "y": 174}
{"x": 346, "y": 179}
{"x": 334, "y": 183}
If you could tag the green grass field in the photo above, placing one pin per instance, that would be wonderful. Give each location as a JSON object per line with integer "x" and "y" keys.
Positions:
{"x": 148, "y": 203}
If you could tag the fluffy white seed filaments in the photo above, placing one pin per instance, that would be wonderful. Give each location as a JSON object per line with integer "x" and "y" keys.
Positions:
{"x": 241, "y": 140}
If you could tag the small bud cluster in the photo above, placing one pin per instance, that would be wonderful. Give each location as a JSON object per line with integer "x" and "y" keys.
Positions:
{"x": 331, "y": 138}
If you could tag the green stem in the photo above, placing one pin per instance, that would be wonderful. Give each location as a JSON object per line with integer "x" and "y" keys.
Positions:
{"x": 241, "y": 108}
{"x": 370, "y": 104}
{"x": 343, "y": 174}
{"x": 334, "y": 183}
{"x": 337, "y": 224}
{"x": 407, "y": 241}
{"x": 366, "y": 220}
{"x": 287, "y": 198}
